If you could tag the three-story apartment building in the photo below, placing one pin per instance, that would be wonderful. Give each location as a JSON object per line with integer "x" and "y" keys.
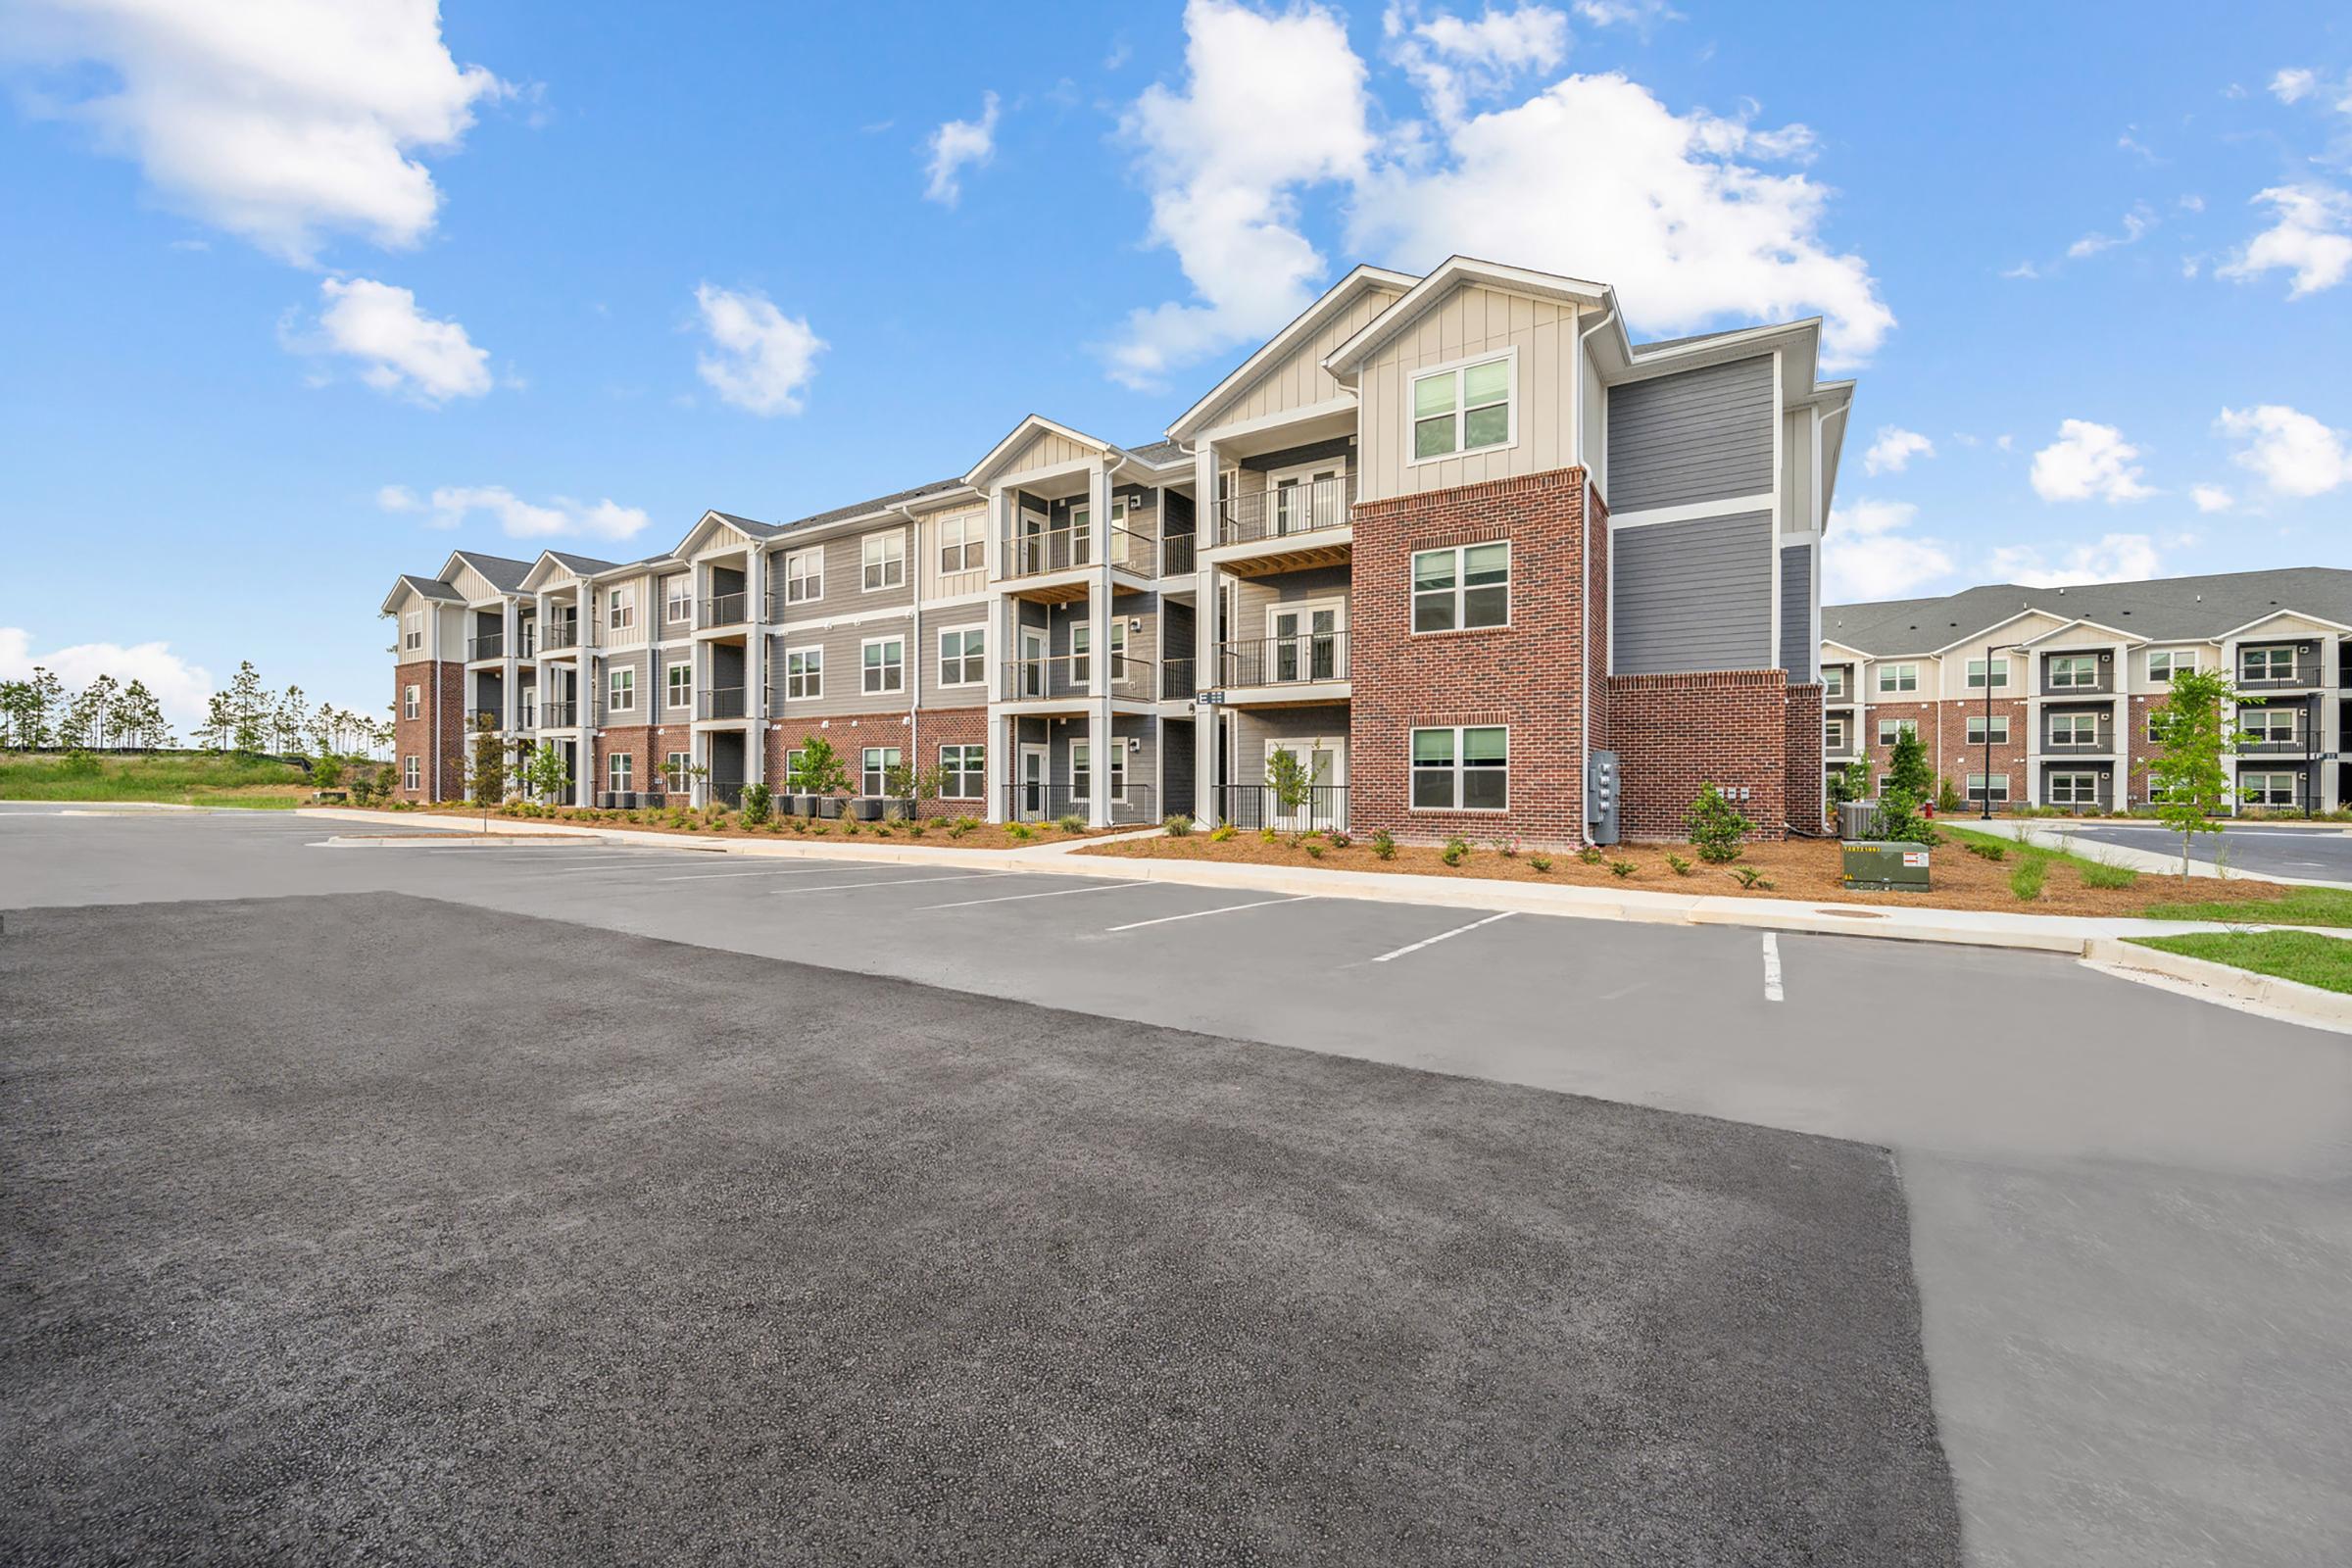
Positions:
{"x": 1448, "y": 541}
{"x": 2060, "y": 682}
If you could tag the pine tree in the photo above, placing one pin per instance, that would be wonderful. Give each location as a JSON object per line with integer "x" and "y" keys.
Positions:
{"x": 16, "y": 706}
{"x": 248, "y": 710}
{"x": 48, "y": 702}
{"x": 286, "y": 720}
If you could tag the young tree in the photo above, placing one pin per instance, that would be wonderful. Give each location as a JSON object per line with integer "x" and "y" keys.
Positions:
{"x": 16, "y": 706}
{"x": 79, "y": 724}
{"x": 48, "y": 700}
{"x": 288, "y": 718}
{"x": 140, "y": 717}
{"x": 2186, "y": 781}
{"x": 1291, "y": 783}
{"x": 821, "y": 770}
{"x": 912, "y": 784}
{"x": 489, "y": 774}
{"x": 248, "y": 710}
{"x": 546, "y": 774}
{"x": 1716, "y": 826}
{"x": 1907, "y": 767}
{"x": 219, "y": 722}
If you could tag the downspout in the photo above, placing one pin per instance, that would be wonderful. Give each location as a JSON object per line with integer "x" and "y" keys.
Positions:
{"x": 915, "y": 646}
{"x": 1584, "y": 654}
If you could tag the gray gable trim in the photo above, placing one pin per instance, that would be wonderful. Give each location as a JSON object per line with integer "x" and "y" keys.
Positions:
{"x": 2165, "y": 609}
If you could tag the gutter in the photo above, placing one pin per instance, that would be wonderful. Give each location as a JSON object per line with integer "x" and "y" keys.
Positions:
{"x": 1583, "y": 659}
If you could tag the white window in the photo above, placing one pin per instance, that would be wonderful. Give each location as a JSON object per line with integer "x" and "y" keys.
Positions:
{"x": 2265, "y": 664}
{"x": 682, "y": 685}
{"x": 678, "y": 604}
{"x": 1832, "y": 682}
{"x": 620, "y": 768}
{"x": 803, "y": 673}
{"x": 2073, "y": 672}
{"x": 2074, "y": 729}
{"x": 963, "y": 543}
{"x": 1082, "y": 646}
{"x": 880, "y": 761}
{"x": 804, "y": 575}
{"x": 411, "y": 776}
{"x": 2155, "y": 728}
{"x": 884, "y": 557}
{"x": 620, "y": 609}
{"x": 963, "y": 657}
{"x": 1455, "y": 590}
{"x": 622, "y": 691}
{"x": 1976, "y": 674}
{"x": 1118, "y": 770}
{"x": 1461, "y": 769}
{"x": 884, "y": 661}
{"x": 2074, "y": 789}
{"x": 1118, "y": 649}
{"x": 1899, "y": 677}
{"x": 412, "y": 631}
{"x": 2274, "y": 726}
{"x": 1976, "y": 729}
{"x": 2162, "y": 666}
{"x": 2000, "y": 787}
{"x": 2266, "y": 789}
{"x": 412, "y": 701}
{"x": 1082, "y": 770}
{"x": 1833, "y": 735}
{"x": 962, "y": 773}
{"x": 1891, "y": 728}
{"x": 1463, "y": 407}
{"x": 674, "y": 769}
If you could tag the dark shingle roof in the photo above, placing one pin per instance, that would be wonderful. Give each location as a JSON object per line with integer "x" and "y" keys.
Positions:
{"x": 432, "y": 587}
{"x": 860, "y": 508}
{"x": 584, "y": 566}
{"x": 504, "y": 572}
{"x": 1159, "y": 454}
{"x": 2177, "y": 608}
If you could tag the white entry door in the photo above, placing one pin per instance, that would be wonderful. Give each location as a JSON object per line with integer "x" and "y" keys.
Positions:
{"x": 1306, "y": 497}
{"x": 1033, "y": 662}
{"x": 1302, "y": 641}
{"x": 1031, "y": 802}
{"x": 1323, "y": 760}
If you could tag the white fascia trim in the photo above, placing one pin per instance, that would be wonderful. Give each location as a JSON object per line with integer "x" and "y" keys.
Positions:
{"x": 2081, "y": 625}
{"x": 1730, "y": 506}
{"x": 1343, "y": 404}
{"x": 794, "y": 628}
{"x": 1305, "y": 324}
{"x": 1343, "y": 361}
{"x": 1976, "y": 638}
{"x": 1030, "y": 426}
{"x": 2276, "y": 615}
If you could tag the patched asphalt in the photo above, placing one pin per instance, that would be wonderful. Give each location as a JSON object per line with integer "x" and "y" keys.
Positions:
{"x": 394, "y": 1230}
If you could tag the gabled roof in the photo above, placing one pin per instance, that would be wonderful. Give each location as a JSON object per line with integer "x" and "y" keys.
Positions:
{"x": 502, "y": 572}
{"x": 1427, "y": 294}
{"x": 2083, "y": 624}
{"x": 423, "y": 587}
{"x": 1034, "y": 424}
{"x": 2203, "y": 609}
{"x": 576, "y": 566}
{"x": 1304, "y": 325}
{"x": 710, "y": 523}
{"x": 937, "y": 489}
{"x": 2276, "y": 615}
{"x": 1159, "y": 454}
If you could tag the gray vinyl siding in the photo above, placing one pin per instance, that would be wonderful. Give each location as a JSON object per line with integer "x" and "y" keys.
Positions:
{"x": 843, "y": 647}
{"x": 1693, "y": 596}
{"x": 1703, "y": 435}
{"x": 845, "y": 578}
{"x": 643, "y": 712}
{"x": 1797, "y": 648}
{"x": 677, "y": 713}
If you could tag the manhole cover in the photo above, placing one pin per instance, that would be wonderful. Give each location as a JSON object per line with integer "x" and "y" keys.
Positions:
{"x": 1853, "y": 914}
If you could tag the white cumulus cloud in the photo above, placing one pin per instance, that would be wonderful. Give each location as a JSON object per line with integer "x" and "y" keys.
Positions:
{"x": 2308, "y": 239}
{"x": 281, "y": 121}
{"x": 399, "y": 348}
{"x": 2293, "y": 84}
{"x": 1454, "y": 59}
{"x": 957, "y": 145}
{"x": 2294, "y": 454}
{"x": 1870, "y": 553}
{"x": 180, "y": 688}
{"x": 2211, "y": 497}
{"x": 560, "y": 516}
{"x": 762, "y": 359}
{"x": 1893, "y": 449}
{"x": 2089, "y": 461}
{"x": 2116, "y": 557}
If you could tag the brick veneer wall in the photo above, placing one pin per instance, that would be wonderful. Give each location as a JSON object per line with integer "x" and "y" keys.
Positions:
{"x": 1524, "y": 675}
{"x": 1924, "y": 714}
{"x": 1807, "y": 790}
{"x": 1596, "y": 647}
{"x": 636, "y": 741}
{"x": 1951, "y": 753}
{"x": 1674, "y": 733}
{"x": 442, "y": 707}
{"x": 934, "y": 728}
{"x": 668, "y": 738}
{"x": 849, "y": 733}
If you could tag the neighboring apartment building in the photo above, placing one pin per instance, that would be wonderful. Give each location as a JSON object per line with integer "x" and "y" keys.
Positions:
{"x": 1445, "y": 539}
{"x": 2061, "y": 680}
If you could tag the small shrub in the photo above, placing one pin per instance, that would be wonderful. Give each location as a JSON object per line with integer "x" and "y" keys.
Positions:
{"x": 1315, "y": 852}
{"x": 1591, "y": 854}
{"x": 916, "y": 828}
{"x": 1986, "y": 852}
{"x": 967, "y": 823}
{"x": 1071, "y": 824}
{"x": 958, "y": 828}
{"x": 1947, "y": 795}
{"x": 1221, "y": 833}
{"x": 1384, "y": 845}
{"x": 1341, "y": 841}
{"x": 1178, "y": 826}
{"x": 1716, "y": 827}
{"x": 2099, "y": 874}
{"x": 1542, "y": 862}
{"x": 79, "y": 764}
{"x": 1265, "y": 835}
{"x": 1750, "y": 877}
{"x": 1454, "y": 853}
{"x": 1509, "y": 848}
{"x": 798, "y": 824}
{"x": 1621, "y": 869}
{"x": 1682, "y": 867}
{"x": 1019, "y": 832}
{"x": 848, "y": 827}
{"x": 2025, "y": 881}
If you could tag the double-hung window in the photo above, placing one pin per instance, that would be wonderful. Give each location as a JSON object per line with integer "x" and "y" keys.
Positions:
{"x": 1890, "y": 729}
{"x": 412, "y": 775}
{"x": 620, "y": 609}
{"x": 2074, "y": 729}
{"x": 963, "y": 543}
{"x": 883, "y": 557}
{"x": 2265, "y": 664}
{"x": 2266, "y": 789}
{"x": 411, "y": 632}
{"x": 962, "y": 773}
{"x": 622, "y": 691}
{"x": 880, "y": 763}
{"x": 1998, "y": 793}
{"x": 2072, "y": 672}
{"x": 1976, "y": 674}
{"x": 963, "y": 655}
{"x": 2267, "y": 726}
{"x": 1462, "y": 407}
{"x": 2074, "y": 789}
{"x": 885, "y": 664}
{"x": 1082, "y": 648}
{"x": 674, "y": 768}
{"x": 677, "y": 606}
{"x": 1833, "y": 735}
{"x": 803, "y": 673}
{"x": 412, "y": 701}
{"x": 1082, "y": 770}
{"x": 1899, "y": 679}
{"x": 1462, "y": 588}
{"x": 619, "y": 768}
{"x": 2164, "y": 666}
{"x": 1976, "y": 730}
{"x": 804, "y": 575}
{"x": 682, "y": 685}
{"x": 1832, "y": 682}
{"x": 1461, "y": 769}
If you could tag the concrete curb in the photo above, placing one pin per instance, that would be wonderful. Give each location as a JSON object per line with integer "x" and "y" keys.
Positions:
{"x": 2062, "y": 839}
{"x": 2222, "y": 982}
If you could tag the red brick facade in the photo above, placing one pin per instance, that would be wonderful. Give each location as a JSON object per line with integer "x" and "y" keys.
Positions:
{"x": 441, "y": 710}
{"x": 851, "y": 734}
{"x": 1674, "y": 733}
{"x": 1525, "y": 676}
{"x": 1807, "y": 790}
{"x": 934, "y": 728}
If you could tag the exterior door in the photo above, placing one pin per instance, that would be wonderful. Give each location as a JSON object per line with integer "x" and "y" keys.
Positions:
{"x": 1324, "y": 760}
{"x": 1306, "y": 498}
{"x": 1030, "y": 806}
{"x": 1303, "y": 641}
{"x": 1033, "y": 662}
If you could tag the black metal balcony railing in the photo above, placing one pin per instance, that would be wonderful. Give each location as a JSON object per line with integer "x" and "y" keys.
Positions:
{"x": 2073, "y": 741}
{"x": 559, "y": 634}
{"x": 1029, "y": 681}
{"x": 1050, "y": 803}
{"x": 2295, "y": 743}
{"x": 1176, "y": 683}
{"x": 1251, "y": 806}
{"x": 2265, "y": 676}
{"x": 476, "y": 717}
{"x": 1176, "y": 555}
{"x": 722, "y": 610}
{"x": 719, "y": 702}
{"x": 558, "y": 715}
{"x": 488, "y": 645}
{"x": 1285, "y": 510}
{"x": 1032, "y": 555}
{"x": 1284, "y": 661}
{"x": 2097, "y": 682}
{"x": 726, "y": 792}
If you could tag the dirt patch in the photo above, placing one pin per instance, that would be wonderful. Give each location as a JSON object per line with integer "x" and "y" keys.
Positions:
{"x": 938, "y": 833}
{"x": 1795, "y": 868}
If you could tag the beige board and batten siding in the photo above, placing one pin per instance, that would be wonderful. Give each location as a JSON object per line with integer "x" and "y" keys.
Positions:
{"x": 1047, "y": 449}
{"x": 1471, "y": 323}
{"x": 932, "y": 535}
{"x": 473, "y": 584}
{"x": 1297, "y": 381}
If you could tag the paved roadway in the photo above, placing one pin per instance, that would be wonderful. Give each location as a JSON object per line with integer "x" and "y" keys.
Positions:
{"x": 2307, "y": 854}
{"x": 2131, "y": 1211}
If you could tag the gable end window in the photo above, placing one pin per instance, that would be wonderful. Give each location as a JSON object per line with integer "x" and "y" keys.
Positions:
{"x": 1462, "y": 588}
{"x": 884, "y": 559}
{"x": 1899, "y": 677}
{"x": 1463, "y": 407}
{"x": 622, "y": 609}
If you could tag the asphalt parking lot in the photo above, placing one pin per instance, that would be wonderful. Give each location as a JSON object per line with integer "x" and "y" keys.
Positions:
{"x": 2309, "y": 855}
{"x": 513, "y": 1246}
{"x": 2130, "y": 1224}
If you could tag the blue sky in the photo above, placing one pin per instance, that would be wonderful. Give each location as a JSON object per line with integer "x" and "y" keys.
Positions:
{"x": 293, "y": 306}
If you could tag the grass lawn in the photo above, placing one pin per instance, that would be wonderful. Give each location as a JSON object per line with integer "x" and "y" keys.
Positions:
{"x": 186, "y": 778}
{"x": 2303, "y": 956}
{"x": 2297, "y": 906}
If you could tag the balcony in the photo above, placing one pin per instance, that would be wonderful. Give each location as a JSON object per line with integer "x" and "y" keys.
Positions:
{"x": 1176, "y": 683}
{"x": 1251, "y": 806}
{"x": 1300, "y": 660}
{"x": 561, "y": 635}
{"x": 1049, "y": 803}
{"x": 489, "y": 645}
{"x": 558, "y": 715}
{"x": 2098, "y": 741}
{"x": 719, "y": 702}
{"x": 2277, "y": 674}
{"x": 1176, "y": 555}
{"x": 1039, "y": 555}
{"x": 1072, "y": 675}
{"x": 478, "y": 717}
{"x": 1287, "y": 510}
{"x": 2292, "y": 743}
{"x": 722, "y": 610}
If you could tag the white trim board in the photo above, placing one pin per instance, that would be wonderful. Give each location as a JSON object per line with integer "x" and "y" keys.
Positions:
{"x": 1691, "y": 512}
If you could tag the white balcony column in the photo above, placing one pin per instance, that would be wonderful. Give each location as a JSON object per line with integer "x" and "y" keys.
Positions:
{"x": 1207, "y": 597}
{"x": 1099, "y": 682}
{"x": 509, "y": 645}
{"x": 755, "y": 668}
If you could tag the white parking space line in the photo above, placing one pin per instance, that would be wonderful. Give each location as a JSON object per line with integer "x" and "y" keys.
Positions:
{"x": 902, "y": 881}
{"x": 766, "y": 870}
{"x": 1014, "y": 898}
{"x": 1431, "y": 941}
{"x": 1772, "y": 967}
{"x": 1228, "y": 908}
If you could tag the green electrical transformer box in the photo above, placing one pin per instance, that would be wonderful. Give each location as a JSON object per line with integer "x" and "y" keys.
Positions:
{"x": 1899, "y": 867}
